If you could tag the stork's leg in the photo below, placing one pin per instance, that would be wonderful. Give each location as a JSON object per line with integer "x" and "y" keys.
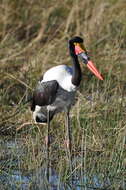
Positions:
{"x": 69, "y": 139}
{"x": 48, "y": 145}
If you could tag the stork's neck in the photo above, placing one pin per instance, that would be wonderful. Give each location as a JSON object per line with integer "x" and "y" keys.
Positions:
{"x": 76, "y": 76}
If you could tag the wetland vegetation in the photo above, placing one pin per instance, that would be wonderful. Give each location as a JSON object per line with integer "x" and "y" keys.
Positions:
{"x": 33, "y": 38}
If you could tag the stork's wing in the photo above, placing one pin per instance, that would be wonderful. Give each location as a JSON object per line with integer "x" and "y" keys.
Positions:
{"x": 44, "y": 94}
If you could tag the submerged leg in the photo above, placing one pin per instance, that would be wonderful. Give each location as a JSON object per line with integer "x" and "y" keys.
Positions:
{"x": 69, "y": 139}
{"x": 48, "y": 145}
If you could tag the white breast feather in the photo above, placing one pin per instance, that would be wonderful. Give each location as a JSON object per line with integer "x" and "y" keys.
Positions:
{"x": 63, "y": 75}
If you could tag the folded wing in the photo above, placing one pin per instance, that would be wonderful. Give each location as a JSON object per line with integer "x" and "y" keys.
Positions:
{"x": 44, "y": 94}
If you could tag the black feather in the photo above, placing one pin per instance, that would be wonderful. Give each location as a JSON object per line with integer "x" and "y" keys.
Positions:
{"x": 44, "y": 94}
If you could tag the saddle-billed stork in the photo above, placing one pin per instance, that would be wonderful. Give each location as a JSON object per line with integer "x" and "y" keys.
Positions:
{"x": 56, "y": 91}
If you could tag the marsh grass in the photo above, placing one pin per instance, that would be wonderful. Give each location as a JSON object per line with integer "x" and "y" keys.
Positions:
{"x": 33, "y": 38}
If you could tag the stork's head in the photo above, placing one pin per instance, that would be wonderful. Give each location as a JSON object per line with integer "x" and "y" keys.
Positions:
{"x": 80, "y": 50}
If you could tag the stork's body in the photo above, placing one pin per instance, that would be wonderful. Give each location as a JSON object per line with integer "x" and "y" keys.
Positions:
{"x": 58, "y": 80}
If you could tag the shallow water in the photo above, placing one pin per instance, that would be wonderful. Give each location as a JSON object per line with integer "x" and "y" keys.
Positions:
{"x": 36, "y": 180}
{"x": 13, "y": 177}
